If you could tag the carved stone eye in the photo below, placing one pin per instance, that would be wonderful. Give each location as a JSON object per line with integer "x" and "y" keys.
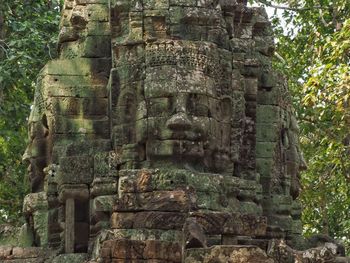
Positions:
{"x": 159, "y": 107}
{"x": 197, "y": 105}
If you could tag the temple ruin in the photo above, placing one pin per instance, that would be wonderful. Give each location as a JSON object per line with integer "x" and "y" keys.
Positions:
{"x": 163, "y": 134}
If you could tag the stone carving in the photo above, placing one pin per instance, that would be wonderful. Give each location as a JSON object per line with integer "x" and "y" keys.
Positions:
{"x": 178, "y": 114}
{"x": 162, "y": 134}
{"x": 37, "y": 152}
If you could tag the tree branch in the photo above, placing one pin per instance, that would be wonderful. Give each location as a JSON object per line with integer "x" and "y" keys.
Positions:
{"x": 5, "y": 51}
{"x": 264, "y": 2}
{"x": 322, "y": 18}
{"x": 6, "y": 202}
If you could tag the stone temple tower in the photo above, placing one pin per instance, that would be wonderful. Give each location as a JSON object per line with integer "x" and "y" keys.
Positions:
{"x": 162, "y": 134}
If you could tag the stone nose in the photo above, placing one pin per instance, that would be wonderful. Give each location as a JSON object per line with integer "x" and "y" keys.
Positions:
{"x": 179, "y": 122}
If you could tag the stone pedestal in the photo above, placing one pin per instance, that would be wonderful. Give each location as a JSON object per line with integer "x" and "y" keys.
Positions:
{"x": 35, "y": 209}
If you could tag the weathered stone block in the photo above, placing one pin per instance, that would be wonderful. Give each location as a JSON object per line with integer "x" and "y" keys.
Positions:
{"x": 148, "y": 220}
{"x": 97, "y": 12}
{"x": 250, "y": 207}
{"x": 172, "y": 201}
{"x": 270, "y": 96}
{"x": 40, "y": 219}
{"x": 103, "y": 203}
{"x": 216, "y": 202}
{"x": 74, "y": 191}
{"x": 146, "y": 234}
{"x": 79, "y": 106}
{"x": 241, "y": 45}
{"x": 35, "y": 202}
{"x": 89, "y": 148}
{"x": 104, "y": 187}
{"x": 283, "y": 253}
{"x": 183, "y": 2}
{"x": 231, "y": 223}
{"x": 162, "y": 251}
{"x": 266, "y": 132}
{"x": 156, "y": 4}
{"x": 75, "y": 169}
{"x": 74, "y": 86}
{"x": 101, "y": 164}
{"x": 70, "y": 258}
{"x": 30, "y": 252}
{"x": 285, "y": 222}
{"x": 97, "y": 47}
{"x": 85, "y": 2}
{"x": 5, "y": 252}
{"x": 79, "y": 66}
{"x": 162, "y": 179}
{"x": 265, "y": 166}
{"x": 264, "y": 45}
{"x": 268, "y": 114}
{"x": 265, "y": 149}
{"x": 251, "y": 86}
{"x": 81, "y": 125}
{"x": 223, "y": 254}
{"x": 98, "y": 28}
{"x": 141, "y": 251}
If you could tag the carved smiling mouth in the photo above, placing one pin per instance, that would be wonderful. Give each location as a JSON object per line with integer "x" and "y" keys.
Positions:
{"x": 176, "y": 147}
{"x": 190, "y": 148}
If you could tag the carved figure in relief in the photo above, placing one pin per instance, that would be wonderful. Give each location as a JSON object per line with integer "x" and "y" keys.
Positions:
{"x": 36, "y": 154}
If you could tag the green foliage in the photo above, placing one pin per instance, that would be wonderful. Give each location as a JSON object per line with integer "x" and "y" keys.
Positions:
{"x": 29, "y": 37}
{"x": 313, "y": 49}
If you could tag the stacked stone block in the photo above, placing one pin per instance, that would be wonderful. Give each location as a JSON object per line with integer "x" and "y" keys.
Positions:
{"x": 180, "y": 208}
{"x": 72, "y": 99}
{"x": 103, "y": 191}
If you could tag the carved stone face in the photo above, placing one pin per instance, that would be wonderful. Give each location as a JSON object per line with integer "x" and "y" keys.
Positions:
{"x": 73, "y": 22}
{"x": 186, "y": 123}
{"x": 36, "y": 155}
{"x": 295, "y": 162}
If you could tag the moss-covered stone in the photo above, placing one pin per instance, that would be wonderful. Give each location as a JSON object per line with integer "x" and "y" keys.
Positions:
{"x": 160, "y": 130}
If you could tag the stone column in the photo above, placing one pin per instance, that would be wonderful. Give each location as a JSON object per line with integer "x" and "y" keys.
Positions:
{"x": 70, "y": 194}
{"x": 35, "y": 206}
{"x": 70, "y": 226}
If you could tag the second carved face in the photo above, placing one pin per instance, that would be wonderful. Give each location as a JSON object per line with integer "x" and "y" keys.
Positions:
{"x": 180, "y": 119}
